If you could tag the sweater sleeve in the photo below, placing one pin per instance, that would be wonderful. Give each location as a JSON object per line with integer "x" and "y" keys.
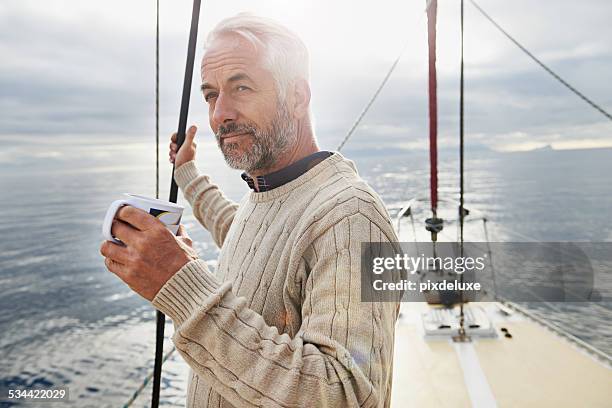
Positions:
{"x": 210, "y": 206}
{"x": 341, "y": 355}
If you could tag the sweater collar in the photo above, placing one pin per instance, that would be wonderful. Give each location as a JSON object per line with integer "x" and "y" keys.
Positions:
{"x": 285, "y": 175}
{"x": 332, "y": 161}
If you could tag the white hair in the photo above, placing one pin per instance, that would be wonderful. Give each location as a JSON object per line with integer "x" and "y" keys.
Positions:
{"x": 285, "y": 55}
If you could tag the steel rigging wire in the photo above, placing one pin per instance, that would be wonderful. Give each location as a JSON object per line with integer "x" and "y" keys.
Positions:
{"x": 540, "y": 63}
{"x": 180, "y": 137}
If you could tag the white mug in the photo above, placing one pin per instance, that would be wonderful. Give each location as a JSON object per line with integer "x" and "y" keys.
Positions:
{"x": 165, "y": 211}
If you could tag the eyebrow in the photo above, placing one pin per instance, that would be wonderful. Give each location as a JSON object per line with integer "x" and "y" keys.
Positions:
{"x": 206, "y": 86}
{"x": 234, "y": 78}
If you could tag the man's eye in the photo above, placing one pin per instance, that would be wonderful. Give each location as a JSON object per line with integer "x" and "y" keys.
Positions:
{"x": 242, "y": 88}
{"x": 210, "y": 96}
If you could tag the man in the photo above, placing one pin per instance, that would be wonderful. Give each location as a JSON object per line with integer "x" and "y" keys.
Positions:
{"x": 281, "y": 323}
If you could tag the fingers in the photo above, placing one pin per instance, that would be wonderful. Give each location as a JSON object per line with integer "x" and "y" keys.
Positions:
{"x": 189, "y": 137}
{"x": 172, "y": 152}
{"x": 137, "y": 218}
{"x": 115, "y": 267}
{"x": 124, "y": 232}
{"x": 114, "y": 252}
{"x": 191, "y": 132}
{"x": 173, "y": 147}
{"x": 189, "y": 144}
{"x": 182, "y": 236}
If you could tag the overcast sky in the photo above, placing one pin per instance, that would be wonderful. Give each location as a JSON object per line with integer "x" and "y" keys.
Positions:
{"x": 86, "y": 69}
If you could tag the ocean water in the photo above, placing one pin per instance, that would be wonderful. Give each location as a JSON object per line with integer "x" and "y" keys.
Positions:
{"x": 67, "y": 321}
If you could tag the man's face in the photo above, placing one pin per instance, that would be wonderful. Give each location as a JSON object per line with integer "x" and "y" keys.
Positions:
{"x": 252, "y": 126}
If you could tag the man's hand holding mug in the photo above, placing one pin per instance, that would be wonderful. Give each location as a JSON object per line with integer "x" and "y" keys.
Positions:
{"x": 141, "y": 247}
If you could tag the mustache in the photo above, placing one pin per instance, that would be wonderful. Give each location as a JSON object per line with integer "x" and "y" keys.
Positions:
{"x": 235, "y": 127}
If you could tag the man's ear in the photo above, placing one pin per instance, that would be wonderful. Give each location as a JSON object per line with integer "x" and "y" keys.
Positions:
{"x": 301, "y": 92}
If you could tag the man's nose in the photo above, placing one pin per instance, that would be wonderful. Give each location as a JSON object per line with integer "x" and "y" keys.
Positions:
{"x": 224, "y": 110}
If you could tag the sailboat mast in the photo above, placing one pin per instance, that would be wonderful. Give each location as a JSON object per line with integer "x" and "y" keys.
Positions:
{"x": 433, "y": 224}
{"x": 432, "y": 8}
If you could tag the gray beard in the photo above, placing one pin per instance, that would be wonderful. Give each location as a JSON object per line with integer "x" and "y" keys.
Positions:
{"x": 268, "y": 145}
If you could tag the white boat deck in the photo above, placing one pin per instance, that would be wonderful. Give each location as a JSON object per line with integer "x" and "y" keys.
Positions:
{"x": 536, "y": 367}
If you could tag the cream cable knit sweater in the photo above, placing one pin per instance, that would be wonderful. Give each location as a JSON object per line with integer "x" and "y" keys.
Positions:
{"x": 282, "y": 324}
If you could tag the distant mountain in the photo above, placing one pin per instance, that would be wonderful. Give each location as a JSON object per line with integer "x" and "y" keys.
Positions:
{"x": 544, "y": 148}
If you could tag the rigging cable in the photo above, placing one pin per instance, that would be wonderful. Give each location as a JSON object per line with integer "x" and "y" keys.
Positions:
{"x": 160, "y": 319}
{"x": 180, "y": 137}
{"x": 372, "y": 99}
{"x": 375, "y": 95}
{"x": 157, "y": 100}
{"x": 461, "y": 149}
{"x": 145, "y": 381}
{"x": 461, "y": 190}
{"x": 540, "y": 63}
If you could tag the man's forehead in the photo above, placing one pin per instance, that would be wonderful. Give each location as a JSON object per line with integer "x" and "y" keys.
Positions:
{"x": 229, "y": 52}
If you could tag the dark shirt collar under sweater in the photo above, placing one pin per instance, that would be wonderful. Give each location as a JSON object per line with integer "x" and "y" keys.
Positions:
{"x": 278, "y": 178}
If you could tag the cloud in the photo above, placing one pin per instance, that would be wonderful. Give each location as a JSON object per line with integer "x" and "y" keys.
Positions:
{"x": 80, "y": 68}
